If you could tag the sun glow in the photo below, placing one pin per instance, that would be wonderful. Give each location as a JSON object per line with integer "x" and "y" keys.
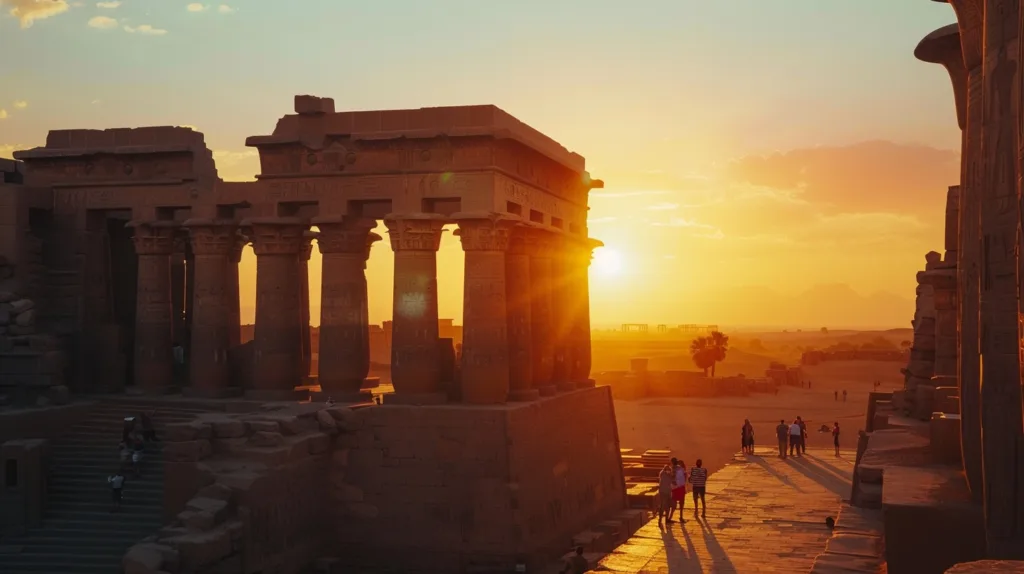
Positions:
{"x": 607, "y": 262}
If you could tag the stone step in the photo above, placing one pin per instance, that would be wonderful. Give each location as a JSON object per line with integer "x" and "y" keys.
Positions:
{"x": 48, "y": 561}
{"x": 869, "y": 495}
{"x": 106, "y": 521}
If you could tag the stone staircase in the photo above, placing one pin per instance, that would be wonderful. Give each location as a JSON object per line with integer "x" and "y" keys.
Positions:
{"x": 79, "y": 533}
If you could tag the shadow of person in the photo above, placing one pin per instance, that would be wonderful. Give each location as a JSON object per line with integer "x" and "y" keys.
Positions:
{"x": 718, "y": 555}
{"x": 830, "y": 481}
{"x": 781, "y": 477}
{"x": 680, "y": 561}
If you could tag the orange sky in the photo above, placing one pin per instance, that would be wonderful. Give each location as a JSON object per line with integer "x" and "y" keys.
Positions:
{"x": 781, "y": 164}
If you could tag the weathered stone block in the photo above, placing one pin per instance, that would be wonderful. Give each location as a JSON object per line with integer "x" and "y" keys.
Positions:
{"x": 216, "y": 491}
{"x": 264, "y": 438}
{"x": 255, "y": 426}
{"x": 202, "y": 549}
{"x": 218, "y": 508}
{"x": 197, "y": 521}
{"x": 327, "y": 422}
{"x": 228, "y": 428}
{"x": 182, "y": 432}
{"x": 340, "y": 457}
{"x": 229, "y": 445}
{"x": 187, "y": 451}
{"x": 142, "y": 559}
{"x": 319, "y": 443}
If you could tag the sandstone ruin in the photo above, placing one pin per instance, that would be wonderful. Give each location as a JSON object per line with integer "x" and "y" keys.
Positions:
{"x": 120, "y": 246}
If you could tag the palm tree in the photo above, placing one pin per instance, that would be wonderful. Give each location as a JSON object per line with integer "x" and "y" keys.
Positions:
{"x": 702, "y": 354}
{"x": 718, "y": 344}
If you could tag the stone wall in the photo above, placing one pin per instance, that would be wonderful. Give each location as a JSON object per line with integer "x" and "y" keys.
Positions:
{"x": 450, "y": 488}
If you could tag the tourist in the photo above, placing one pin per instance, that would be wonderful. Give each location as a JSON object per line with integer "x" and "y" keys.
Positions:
{"x": 803, "y": 435}
{"x": 699, "y": 480}
{"x": 782, "y": 433}
{"x": 116, "y": 484}
{"x": 835, "y": 436}
{"x": 576, "y": 564}
{"x": 747, "y": 437}
{"x": 665, "y": 479}
{"x": 127, "y": 428}
{"x": 138, "y": 445}
{"x": 836, "y": 394}
{"x": 146, "y": 421}
{"x": 126, "y": 453}
{"x": 678, "y": 488}
{"x": 794, "y": 438}
{"x": 844, "y": 395}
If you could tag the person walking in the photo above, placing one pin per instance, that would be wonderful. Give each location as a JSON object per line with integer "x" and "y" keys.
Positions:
{"x": 844, "y": 395}
{"x": 699, "y": 480}
{"x": 794, "y": 438}
{"x": 146, "y": 421}
{"x": 782, "y": 433}
{"x": 747, "y": 437}
{"x": 803, "y": 435}
{"x": 665, "y": 480}
{"x": 678, "y": 489}
{"x": 835, "y": 393}
{"x": 116, "y": 484}
{"x": 576, "y": 564}
{"x": 835, "y": 436}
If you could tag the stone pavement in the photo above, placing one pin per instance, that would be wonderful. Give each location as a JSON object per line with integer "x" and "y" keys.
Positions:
{"x": 764, "y": 515}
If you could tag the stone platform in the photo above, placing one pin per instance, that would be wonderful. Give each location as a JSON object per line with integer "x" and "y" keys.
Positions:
{"x": 764, "y": 515}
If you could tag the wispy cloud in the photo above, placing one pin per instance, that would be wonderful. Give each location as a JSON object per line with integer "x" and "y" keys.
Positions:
{"x": 20, "y": 104}
{"x": 225, "y": 9}
{"x": 7, "y": 150}
{"x": 663, "y": 206}
{"x": 108, "y": 5}
{"x": 196, "y": 7}
{"x": 626, "y": 193}
{"x": 145, "y": 29}
{"x": 232, "y": 155}
{"x": 102, "y": 23}
{"x": 28, "y": 11}
{"x": 3, "y": 114}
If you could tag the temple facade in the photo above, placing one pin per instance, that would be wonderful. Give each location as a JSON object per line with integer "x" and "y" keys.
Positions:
{"x": 143, "y": 240}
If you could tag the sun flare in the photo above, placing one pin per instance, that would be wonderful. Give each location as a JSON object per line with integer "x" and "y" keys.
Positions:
{"x": 608, "y": 262}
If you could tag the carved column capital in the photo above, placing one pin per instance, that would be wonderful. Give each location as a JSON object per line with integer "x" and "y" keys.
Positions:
{"x": 277, "y": 235}
{"x": 307, "y": 245}
{"x": 418, "y": 232}
{"x": 238, "y": 246}
{"x": 345, "y": 235}
{"x": 212, "y": 237}
{"x": 520, "y": 242}
{"x": 485, "y": 232}
{"x": 153, "y": 238}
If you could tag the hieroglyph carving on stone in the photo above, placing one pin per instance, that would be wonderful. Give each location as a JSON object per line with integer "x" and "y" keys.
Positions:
{"x": 346, "y": 237}
{"x": 415, "y": 234}
{"x": 214, "y": 240}
{"x": 154, "y": 240}
{"x": 274, "y": 239}
{"x": 485, "y": 234}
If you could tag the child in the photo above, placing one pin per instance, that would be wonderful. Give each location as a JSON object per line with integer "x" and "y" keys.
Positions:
{"x": 116, "y": 484}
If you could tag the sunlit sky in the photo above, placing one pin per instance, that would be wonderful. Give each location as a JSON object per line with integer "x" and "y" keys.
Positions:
{"x": 767, "y": 163}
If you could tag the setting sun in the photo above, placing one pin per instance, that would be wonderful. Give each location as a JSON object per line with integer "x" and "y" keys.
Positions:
{"x": 608, "y": 262}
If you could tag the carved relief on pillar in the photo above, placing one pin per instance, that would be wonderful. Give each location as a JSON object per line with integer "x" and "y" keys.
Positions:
{"x": 277, "y": 235}
{"x": 539, "y": 244}
{"x": 518, "y": 287}
{"x": 344, "y": 332}
{"x": 485, "y": 344}
{"x": 154, "y": 238}
{"x": 416, "y": 232}
{"x": 213, "y": 237}
{"x": 415, "y": 366}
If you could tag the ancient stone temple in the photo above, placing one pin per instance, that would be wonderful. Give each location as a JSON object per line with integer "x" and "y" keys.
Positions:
{"x": 981, "y": 54}
{"x": 129, "y": 244}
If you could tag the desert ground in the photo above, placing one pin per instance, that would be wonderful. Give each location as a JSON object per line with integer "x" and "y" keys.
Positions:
{"x": 710, "y": 428}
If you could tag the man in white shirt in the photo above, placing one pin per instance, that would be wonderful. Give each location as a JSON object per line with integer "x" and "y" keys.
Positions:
{"x": 116, "y": 484}
{"x": 796, "y": 432}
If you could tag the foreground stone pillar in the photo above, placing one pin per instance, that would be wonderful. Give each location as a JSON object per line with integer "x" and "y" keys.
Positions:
{"x": 212, "y": 245}
{"x": 542, "y": 339}
{"x": 582, "y": 358}
{"x": 277, "y": 341}
{"x": 562, "y": 274}
{"x": 344, "y": 333}
{"x": 485, "y": 366}
{"x": 234, "y": 300}
{"x": 415, "y": 367}
{"x": 519, "y": 298}
{"x": 1000, "y": 218}
{"x": 178, "y": 273}
{"x": 154, "y": 359}
{"x": 303, "y": 273}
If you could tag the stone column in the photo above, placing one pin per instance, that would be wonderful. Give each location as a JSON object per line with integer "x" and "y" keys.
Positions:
{"x": 154, "y": 359}
{"x": 561, "y": 313}
{"x": 1000, "y": 218}
{"x": 518, "y": 297}
{"x": 485, "y": 365}
{"x": 540, "y": 246}
{"x": 415, "y": 368}
{"x": 178, "y": 273}
{"x": 344, "y": 333}
{"x": 582, "y": 359}
{"x": 212, "y": 245}
{"x": 234, "y": 300}
{"x": 921, "y": 368}
{"x": 303, "y": 274}
{"x": 277, "y": 344}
